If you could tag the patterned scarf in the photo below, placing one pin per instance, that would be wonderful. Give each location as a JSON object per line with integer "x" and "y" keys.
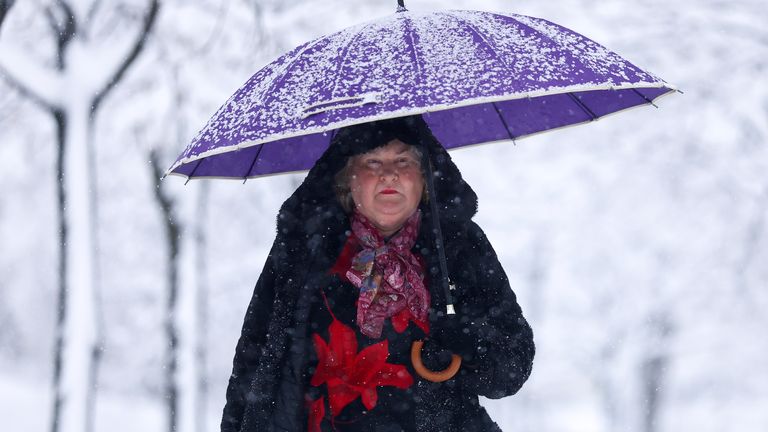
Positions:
{"x": 388, "y": 274}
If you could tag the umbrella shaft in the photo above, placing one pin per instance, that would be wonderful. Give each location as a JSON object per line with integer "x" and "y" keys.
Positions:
{"x": 439, "y": 243}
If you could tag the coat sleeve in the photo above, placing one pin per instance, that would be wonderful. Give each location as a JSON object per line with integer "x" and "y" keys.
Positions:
{"x": 488, "y": 308}
{"x": 249, "y": 348}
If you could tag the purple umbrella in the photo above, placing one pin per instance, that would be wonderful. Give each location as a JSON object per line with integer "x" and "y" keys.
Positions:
{"x": 476, "y": 77}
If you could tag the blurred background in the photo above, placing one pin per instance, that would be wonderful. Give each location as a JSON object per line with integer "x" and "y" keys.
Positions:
{"x": 637, "y": 245}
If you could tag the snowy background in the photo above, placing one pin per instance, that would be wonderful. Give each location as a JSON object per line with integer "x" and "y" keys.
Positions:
{"x": 637, "y": 245}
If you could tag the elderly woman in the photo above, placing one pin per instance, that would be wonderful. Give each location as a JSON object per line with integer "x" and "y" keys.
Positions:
{"x": 353, "y": 279}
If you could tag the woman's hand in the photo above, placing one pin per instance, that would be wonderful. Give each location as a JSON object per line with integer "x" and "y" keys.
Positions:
{"x": 451, "y": 332}
{"x": 495, "y": 332}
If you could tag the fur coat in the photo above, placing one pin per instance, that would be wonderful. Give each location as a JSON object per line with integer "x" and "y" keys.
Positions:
{"x": 268, "y": 383}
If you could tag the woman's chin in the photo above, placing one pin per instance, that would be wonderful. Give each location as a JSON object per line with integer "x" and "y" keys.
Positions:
{"x": 388, "y": 225}
{"x": 390, "y": 210}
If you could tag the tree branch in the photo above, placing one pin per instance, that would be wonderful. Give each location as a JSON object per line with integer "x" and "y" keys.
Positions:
{"x": 5, "y": 6}
{"x": 39, "y": 84}
{"x": 63, "y": 24}
{"x": 133, "y": 53}
{"x": 92, "y": 11}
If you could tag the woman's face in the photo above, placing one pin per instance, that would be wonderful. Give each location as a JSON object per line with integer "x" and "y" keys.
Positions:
{"x": 387, "y": 185}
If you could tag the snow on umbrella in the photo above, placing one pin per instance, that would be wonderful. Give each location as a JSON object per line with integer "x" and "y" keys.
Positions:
{"x": 475, "y": 76}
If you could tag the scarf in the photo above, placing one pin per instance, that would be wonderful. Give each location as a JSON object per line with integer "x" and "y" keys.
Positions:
{"x": 388, "y": 274}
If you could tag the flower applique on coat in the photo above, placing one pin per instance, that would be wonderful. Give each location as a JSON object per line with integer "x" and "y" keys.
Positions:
{"x": 349, "y": 374}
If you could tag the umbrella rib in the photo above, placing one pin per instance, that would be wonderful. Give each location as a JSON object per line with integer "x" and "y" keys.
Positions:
{"x": 503, "y": 121}
{"x": 645, "y": 97}
{"x": 533, "y": 25}
{"x": 343, "y": 57}
{"x": 474, "y": 30}
{"x": 582, "y": 106}
{"x": 258, "y": 152}
{"x": 269, "y": 92}
{"x": 189, "y": 177}
{"x": 408, "y": 27}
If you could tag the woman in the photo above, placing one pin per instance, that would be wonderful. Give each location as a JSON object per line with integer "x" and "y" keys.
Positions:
{"x": 353, "y": 279}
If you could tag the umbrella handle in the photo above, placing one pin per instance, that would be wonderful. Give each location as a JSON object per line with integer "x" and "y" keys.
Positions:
{"x": 440, "y": 376}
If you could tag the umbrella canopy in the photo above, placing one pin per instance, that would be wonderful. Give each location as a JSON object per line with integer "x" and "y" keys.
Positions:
{"x": 475, "y": 76}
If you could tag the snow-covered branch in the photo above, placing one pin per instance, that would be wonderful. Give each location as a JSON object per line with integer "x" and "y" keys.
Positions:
{"x": 63, "y": 24}
{"x": 5, "y": 6}
{"x": 39, "y": 84}
{"x": 132, "y": 54}
{"x": 93, "y": 10}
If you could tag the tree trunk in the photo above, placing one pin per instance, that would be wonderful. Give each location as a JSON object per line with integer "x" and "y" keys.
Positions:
{"x": 653, "y": 374}
{"x": 61, "y": 310}
{"x": 76, "y": 354}
{"x": 201, "y": 271}
{"x": 187, "y": 316}
{"x": 76, "y": 348}
{"x": 653, "y": 369}
{"x": 172, "y": 237}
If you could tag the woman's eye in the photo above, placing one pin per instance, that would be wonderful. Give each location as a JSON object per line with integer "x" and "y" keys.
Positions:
{"x": 373, "y": 163}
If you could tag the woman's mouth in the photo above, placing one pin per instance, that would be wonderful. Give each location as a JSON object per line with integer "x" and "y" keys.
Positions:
{"x": 388, "y": 191}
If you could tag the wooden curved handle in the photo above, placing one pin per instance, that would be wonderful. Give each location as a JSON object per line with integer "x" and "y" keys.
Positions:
{"x": 427, "y": 374}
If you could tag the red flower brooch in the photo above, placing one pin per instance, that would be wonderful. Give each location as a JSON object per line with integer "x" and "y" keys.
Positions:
{"x": 349, "y": 374}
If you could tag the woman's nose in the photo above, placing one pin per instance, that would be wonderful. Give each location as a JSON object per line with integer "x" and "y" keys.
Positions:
{"x": 388, "y": 171}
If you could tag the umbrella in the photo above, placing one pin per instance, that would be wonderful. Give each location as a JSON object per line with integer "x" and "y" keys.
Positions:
{"x": 476, "y": 77}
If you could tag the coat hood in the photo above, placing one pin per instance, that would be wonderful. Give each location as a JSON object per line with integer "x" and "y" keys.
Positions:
{"x": 314, "y": 210}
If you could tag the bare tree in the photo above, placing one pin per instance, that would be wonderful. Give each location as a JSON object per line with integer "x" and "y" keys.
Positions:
{"x": 185, "y": 306}
{"x": 73, "y": 103}
{"x": 186, "y": 303}
{"x": 172, "y": 239}
{"x": 182, "y": 212}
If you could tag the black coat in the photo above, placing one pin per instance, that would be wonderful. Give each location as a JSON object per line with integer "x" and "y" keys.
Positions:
{"x": 268, "y": 384}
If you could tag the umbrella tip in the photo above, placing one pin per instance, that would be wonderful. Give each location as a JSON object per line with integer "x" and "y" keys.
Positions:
{"x": 401, "y": 6}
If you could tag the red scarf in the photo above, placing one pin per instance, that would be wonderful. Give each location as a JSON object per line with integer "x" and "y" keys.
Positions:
{"x": 389, "y": 275}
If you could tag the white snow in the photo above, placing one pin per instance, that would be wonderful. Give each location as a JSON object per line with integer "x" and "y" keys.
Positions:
{"x": 640, "y": 236}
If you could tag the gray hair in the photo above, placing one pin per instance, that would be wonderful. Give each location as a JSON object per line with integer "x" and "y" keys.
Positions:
{"x": 342, "y": 178}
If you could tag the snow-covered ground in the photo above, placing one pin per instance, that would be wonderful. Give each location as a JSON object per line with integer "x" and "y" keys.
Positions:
{"x": 24, "y": 407}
